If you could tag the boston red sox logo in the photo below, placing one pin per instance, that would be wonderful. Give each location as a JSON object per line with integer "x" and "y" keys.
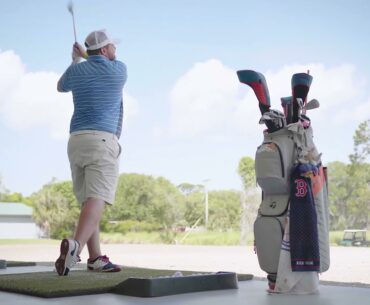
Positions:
{"x": 301, "y": 187}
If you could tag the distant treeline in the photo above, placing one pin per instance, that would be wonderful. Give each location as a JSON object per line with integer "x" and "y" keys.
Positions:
{"x": 146, "y": 203}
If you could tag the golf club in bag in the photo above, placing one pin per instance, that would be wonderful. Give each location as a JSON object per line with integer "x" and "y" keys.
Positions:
{"x": 301, "y": 83}
{"x": 285, "y": 104}
{"x": 289, "y": 171}
{"x": 258, "y": 83}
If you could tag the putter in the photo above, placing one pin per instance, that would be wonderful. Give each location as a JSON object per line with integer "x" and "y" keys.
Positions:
{"x": 70, "y": 9}
{"x": 258, "y": 83}
{"x": 301, "y": 83}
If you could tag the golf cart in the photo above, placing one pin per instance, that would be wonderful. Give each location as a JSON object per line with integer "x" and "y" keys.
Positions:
{"x": 355, "y": 238}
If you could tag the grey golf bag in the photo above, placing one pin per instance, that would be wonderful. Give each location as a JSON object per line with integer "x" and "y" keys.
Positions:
{"x": 275, "y": 158}
{"x": 288, "y": 146}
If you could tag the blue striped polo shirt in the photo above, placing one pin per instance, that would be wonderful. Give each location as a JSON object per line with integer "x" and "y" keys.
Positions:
{"x": 96, "y": 86}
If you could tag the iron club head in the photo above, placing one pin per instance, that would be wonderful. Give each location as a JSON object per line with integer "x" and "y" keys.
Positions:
{"x": 312, "y": 104}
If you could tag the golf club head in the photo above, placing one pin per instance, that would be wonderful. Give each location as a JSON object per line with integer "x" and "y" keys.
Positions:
{"x": 70, "y": 7}
{"x": 286, "y": 103}
{"x": 301, "y": 83}
{"x": 274, "y": 119}
{"x": 285, "y": 100}
{"x": 312, "y": 104}
{"x": 258, "y": 83}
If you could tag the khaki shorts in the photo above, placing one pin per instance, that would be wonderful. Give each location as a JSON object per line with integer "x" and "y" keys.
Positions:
{"x": 94, "y": 159}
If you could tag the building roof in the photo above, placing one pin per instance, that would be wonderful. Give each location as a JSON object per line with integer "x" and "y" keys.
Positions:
{"x": 14, "y": 208}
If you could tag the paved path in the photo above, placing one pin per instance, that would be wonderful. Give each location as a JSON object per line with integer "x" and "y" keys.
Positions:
{"x": 348, "y": 264}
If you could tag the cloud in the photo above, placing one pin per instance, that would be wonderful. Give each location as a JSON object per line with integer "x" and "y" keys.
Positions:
{"x": 131, "y": 108}
{"x": 339, "y": 89}
{"x": 208, "y": 99}
{"x": 30, "y": 99}
{"x": 203, "y": 98}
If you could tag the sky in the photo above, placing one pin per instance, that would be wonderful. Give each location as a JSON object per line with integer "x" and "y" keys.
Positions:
{"x": 187, "y": 117}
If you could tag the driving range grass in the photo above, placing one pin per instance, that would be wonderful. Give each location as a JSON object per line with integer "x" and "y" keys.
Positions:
{"x": 231, "y": 238}
{"x": 42, "y": 241}
{"x": 194, "y": 238}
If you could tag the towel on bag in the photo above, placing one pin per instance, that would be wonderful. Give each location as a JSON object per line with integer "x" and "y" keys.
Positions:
{"x": 304, "y": 241}
{"x": 287, "y": 281}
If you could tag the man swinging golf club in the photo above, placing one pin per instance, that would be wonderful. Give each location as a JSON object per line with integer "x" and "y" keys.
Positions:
{"x": 93, "y": 148}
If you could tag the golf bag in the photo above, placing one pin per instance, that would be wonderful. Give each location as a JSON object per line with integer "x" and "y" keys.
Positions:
{"x": 278, "y": 155}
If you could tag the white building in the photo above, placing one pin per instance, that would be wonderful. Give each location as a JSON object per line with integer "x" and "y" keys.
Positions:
{"x": 16, "y": 222}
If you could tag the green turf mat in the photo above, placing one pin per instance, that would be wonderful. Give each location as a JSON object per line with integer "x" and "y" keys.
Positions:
{"x": 50, "y": 285}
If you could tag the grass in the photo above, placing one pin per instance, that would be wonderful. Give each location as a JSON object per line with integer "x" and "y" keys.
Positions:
{"x": 195, "y": 238}
{"x": 335, "y": 237}
{"x": 131, "y": 238}
{"x": 29, "y": 242}
{"x": 215, "y": 238}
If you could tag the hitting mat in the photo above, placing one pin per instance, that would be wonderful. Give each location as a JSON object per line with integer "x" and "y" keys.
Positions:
{"x": 5, "y": 264}
{"x": 130, "y": 281}
{"x": 19, "y": 264}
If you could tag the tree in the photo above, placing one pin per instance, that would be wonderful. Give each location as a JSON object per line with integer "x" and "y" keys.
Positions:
{"x": 7, "y": 196}
{"x": 147, "y": 199}
{"x": 361, "y": 141}
{"x": 249, "y": 200}
{"x": 55, "y": 209}
{"x": 188, "y": 188}
{"x": 338, "y": 194}
{"x": 349, "y": 185}
{"x": 224, "y": 210}
{"x": 168, "y": 208}
{"x": 194, "y": 207}
{"x": 359, "y": 173}
{"x": 134, "y": 197}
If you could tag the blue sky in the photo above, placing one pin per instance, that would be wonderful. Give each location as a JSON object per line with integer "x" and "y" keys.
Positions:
{"x": 187, "y": 117}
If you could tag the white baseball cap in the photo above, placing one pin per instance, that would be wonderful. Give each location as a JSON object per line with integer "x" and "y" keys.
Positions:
{"x": 98, "y": 39}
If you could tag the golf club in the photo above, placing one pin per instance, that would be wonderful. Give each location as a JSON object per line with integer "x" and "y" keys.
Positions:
{"x": 258, "y": 83}
{"x": 275, "y": 118}
{"x": 285, "y": 103}
{"x": 70, "y": 9}
{"x": 301, "y": 83}
{"x": 312, "y": 104}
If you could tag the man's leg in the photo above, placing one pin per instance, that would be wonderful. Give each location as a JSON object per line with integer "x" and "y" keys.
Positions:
{"x": 89, "y": 221}
{"x": 93, "y": 244}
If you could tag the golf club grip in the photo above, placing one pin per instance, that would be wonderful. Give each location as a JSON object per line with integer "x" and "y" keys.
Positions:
{"x": 301, "y": 83}
{"x": 258, "y": 83}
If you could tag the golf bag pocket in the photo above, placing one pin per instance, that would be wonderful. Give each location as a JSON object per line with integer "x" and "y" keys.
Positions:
{"x": 274, "y": 159}
{"x": 268, "y": 234}
{"x": 274, "y": 205}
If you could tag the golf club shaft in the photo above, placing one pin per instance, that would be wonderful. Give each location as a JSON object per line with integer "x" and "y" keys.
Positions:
{"x": 74, "y": 26}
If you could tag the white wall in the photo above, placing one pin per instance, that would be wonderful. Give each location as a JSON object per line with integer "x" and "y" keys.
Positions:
{"x": 19, "y": 230}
